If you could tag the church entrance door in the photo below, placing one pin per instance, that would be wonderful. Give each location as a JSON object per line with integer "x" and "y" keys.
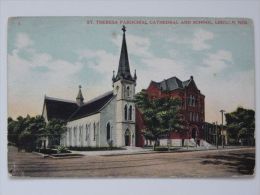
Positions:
{"x": 127, "y": 138}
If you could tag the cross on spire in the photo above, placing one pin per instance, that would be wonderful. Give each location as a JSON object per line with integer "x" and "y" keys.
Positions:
{"x": 124, "y": 28}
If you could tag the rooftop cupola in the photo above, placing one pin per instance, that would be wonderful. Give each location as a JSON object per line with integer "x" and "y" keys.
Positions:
{"x": 80, "y": 98}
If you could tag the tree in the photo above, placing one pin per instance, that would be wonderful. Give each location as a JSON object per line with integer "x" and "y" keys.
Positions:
{"x": 54, "y": 130}
{"x": 24, "y": 132}
{"x": 161, "y": 115}
{"x": 241, "y": 125}
{"x": 12, "y": 137}
{"x": 27, "y": 131}
{"x": 20, "y": 125}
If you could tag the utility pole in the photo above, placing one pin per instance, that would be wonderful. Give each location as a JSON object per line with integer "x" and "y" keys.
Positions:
{"x": 216, "y": 128}
{"x": 222, "y": 130}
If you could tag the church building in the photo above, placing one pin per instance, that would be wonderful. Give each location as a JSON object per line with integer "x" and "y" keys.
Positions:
{"x": 108, "y": 119}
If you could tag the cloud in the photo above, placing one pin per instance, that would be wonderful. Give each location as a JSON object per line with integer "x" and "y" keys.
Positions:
{"x": 218, "y": 61}
{"x": 57, "y": 68}
{"x": 136, "y": 45}
{"x": 104, "y": 62}
{"x": 29, "y": 78}
{"x": 228, "y": 94}
{"x": 179, "y": 39}
{"x": 158, "y": 69}
{"x": 200, "y": 38}
{"x": 23, "y": 40}
{"x": 99, "y": 60}
{"x": 198, "y": 41}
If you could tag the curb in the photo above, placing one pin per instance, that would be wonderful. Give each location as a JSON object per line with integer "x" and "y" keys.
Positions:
{"x": 179, "y": 151}
{"x": 40, "y": 154}
{"x": 65, "y": 157}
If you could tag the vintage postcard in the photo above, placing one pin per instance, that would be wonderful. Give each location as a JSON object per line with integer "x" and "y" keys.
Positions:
{"x": 131, "y": 97}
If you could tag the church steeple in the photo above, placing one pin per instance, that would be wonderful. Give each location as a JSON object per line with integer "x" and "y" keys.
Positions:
{"x": 123, "y": 67}
{"x": 80, "y": 98}
{"x": 124, "y": 92}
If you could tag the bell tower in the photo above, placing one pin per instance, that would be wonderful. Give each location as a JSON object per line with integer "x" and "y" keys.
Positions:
{"x": 124, "y": 89}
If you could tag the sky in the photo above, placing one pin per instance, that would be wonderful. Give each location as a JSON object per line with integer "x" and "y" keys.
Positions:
{"x": 54, "y": 55}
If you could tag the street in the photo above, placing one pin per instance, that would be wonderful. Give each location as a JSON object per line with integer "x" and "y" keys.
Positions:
{"x": 222, "y": 163}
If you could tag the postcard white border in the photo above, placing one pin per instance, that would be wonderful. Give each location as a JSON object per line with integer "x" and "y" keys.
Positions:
{"x": 209, "y": 8}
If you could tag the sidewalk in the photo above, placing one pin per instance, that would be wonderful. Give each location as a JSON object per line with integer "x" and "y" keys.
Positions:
{"x": 139, "y": 150}
{"x": 129, "y": 150}
{"x": 213, "y": 148}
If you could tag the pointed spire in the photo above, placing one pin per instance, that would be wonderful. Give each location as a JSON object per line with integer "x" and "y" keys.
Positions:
{"x": 113, "y": 78}
{"x": 135, "y": 77}
{"x": 123, "y": 68}
{"x": 80, "y": 98}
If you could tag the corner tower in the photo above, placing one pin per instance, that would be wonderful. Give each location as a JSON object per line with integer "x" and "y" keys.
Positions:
{"x": 124, "y": 89}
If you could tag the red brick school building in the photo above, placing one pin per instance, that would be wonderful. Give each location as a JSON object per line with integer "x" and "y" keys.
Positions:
{"x": 192, "y": 110}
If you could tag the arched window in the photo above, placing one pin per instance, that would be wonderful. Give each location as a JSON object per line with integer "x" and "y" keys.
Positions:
{"x": 108, "y": 131}
{"x": 128, "y": 91}
{"x": 87, "y": 134}
{"x": 125, "y": 112}
{"x": 69, "y": 136}
{"x": 190, "y": 100}
{"x": 80, "y": 133}
{"x": 130, "y": 113}
{"x": 94, "y": 131}
{"x": 75, "y": 134}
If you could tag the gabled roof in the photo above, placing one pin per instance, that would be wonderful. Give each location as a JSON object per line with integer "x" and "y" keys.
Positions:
{"x": 186, "y": 83}
{"x": 172, "y": 83}
{"x": 59, "y": 108}
{"x": 91, "y": 107}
